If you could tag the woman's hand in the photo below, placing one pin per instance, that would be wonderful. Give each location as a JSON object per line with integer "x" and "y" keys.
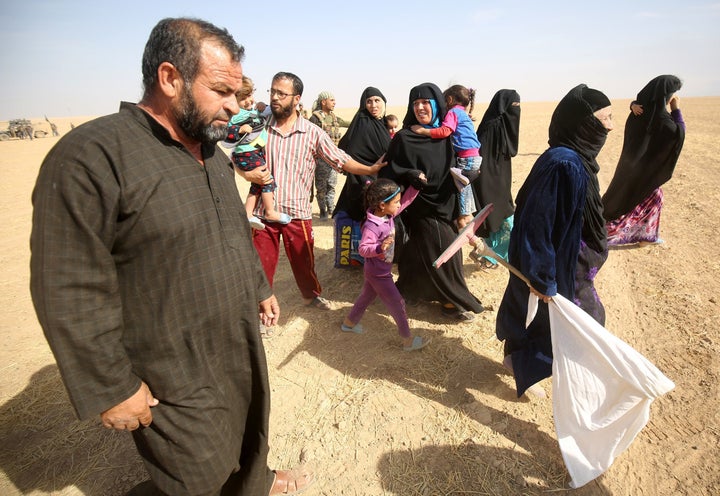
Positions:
{"x": 463, "y": 220}
{"x": 416, "y": 178}
{"x": 636, "y": 108}
{"x": 537, "y": 293}
{"x": 674, "y": 102}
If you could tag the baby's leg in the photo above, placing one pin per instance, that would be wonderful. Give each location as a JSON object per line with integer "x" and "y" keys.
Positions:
{"x": 268, "y": 199}
{"x": 250, "y": 204}
{"x": 470, "y": 167}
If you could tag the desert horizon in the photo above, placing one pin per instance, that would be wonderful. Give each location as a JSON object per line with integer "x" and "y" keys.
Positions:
{"x": 344, "y": 111}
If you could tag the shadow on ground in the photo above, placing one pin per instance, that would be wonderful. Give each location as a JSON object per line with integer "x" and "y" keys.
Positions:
{"x": 45, "y": 447}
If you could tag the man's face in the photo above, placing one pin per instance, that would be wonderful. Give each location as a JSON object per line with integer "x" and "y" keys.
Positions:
{"x": 328, "y": 105}
{"x": 283, "y": 101}
{"x": 207, "y": 104}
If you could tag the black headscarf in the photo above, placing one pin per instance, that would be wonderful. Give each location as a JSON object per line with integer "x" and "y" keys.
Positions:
{"x": 574, "y": 126}
{"x": 366, "y": 139}
{"x": 651, "y": 148}
{"x": 430, "y": 92}
{"x": 411, "y": 153}
{"x": 498, "y": 134}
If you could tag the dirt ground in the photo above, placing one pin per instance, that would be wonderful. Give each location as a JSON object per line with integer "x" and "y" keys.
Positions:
{"x": 444, "y": 421}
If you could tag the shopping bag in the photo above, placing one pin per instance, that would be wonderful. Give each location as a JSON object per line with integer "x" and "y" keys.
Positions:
{"x": 347, "y": 240}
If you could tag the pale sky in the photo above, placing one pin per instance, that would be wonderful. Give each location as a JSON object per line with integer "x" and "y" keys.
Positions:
{"x": 65, "y": 58}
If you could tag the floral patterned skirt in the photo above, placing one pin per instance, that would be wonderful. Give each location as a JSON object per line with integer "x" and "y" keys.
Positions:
{"x": 588, "y": 264}
{"x": 642, "y": 224}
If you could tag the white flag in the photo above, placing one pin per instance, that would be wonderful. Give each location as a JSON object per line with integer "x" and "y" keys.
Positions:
{"x": 602, "y": 391}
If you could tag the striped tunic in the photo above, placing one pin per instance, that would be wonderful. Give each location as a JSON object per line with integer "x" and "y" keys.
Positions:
{"x": 291, "y": 159}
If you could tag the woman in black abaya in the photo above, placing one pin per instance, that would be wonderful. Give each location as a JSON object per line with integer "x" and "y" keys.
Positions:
{"x": 429, "y": 220}
{"x": 558, "y": 241}
{"x": 498, "y": 134}
{"x": 654, "y": 138}
{"x": 366, "y": 140}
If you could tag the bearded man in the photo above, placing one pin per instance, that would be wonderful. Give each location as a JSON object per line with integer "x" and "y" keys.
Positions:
{"x": 145, "y": 280}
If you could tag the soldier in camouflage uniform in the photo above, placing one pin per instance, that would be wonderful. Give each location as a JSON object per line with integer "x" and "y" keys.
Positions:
{"x": 325, "y": 176}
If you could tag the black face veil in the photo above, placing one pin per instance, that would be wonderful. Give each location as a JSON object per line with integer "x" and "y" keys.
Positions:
{"x": 574, "y": 126}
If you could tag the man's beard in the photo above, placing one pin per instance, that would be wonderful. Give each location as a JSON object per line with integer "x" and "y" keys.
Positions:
{"x": 189, "y": 119}
{"x": 284, "y": 111}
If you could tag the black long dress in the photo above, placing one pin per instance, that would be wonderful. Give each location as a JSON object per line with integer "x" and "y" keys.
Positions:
{"x": 143, "y": 269}
{"x": 498, "y": 134}
{"x": 429, "y": 219}
{"x": 366, "y": 140}
{"x": 651, "y": 148}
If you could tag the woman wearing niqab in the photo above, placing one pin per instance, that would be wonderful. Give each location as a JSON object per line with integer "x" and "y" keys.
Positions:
{"x": 653, "y": 141}
{"x": 498, "y": 134}
{"x": 558, "y": 241}
{"x": 365, "y": 140}
{"x": 429, "y": 220}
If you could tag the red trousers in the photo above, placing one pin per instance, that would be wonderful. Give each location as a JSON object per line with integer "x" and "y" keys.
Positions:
{"x": 297, "y": 237}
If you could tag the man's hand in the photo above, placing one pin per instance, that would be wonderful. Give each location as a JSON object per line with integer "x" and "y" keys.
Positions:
{"x": 131, "y": 413}
{"x": 352, "y": 166}
{"x": 379, "y": 164}
{"x": 269, "y": 311}
{"x": 259, "y": 175}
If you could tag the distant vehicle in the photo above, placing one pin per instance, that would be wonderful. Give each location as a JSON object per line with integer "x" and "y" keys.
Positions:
{"x": 21, "y": 129}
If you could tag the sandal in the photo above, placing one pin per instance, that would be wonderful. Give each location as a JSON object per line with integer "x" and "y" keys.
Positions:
{"x": 418, "y": 343}
{"x": 658, "y": 241}
{"x": 459, "y": 178}
{"x": 476, "y": 257}
{"x": 282, "y": 219}
{"x": 357, "y": 328}
{"x": 319, "y": 302}
{"x": 487, "y": 264}
{"x": 536, "y": 389}
{"x": 457, "y": 314}
{"x": 256, "y": 223}
{"x": 289, "y": 482}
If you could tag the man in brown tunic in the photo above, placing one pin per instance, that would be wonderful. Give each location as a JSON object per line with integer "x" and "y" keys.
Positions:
{"x": 145, "y": 279}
